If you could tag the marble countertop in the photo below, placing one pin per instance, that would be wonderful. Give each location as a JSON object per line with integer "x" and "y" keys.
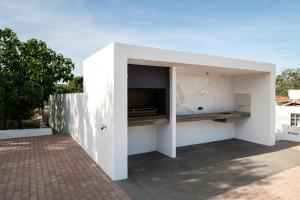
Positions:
{"x": 221, "y": 116}
{"x": 161, "y": 119}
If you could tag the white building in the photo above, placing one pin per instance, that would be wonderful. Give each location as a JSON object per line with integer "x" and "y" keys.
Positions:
{"x": 288, "y": 117}
{"x": 139, "y": 99}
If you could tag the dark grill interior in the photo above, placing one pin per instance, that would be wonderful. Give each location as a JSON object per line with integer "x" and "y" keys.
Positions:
{"x": 147, "y": 102}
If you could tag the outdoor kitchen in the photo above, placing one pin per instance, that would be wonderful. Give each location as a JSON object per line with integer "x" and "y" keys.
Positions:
{"x": 141, "y": 99}
{"x": 206, "y": 106}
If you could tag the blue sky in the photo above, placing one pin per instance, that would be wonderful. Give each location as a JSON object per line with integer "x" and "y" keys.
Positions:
{"x": 258, "y": 29}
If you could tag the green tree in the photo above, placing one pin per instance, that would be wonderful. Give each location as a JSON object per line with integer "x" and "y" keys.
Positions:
{"x": 61, "y": 88}
{"x": 288, "y": 79}
{"x": 28, "y": 73}
{"x": 75, "y": 85}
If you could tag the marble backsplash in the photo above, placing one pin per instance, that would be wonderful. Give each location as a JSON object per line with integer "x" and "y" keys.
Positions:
{"x": 213, "y": 92}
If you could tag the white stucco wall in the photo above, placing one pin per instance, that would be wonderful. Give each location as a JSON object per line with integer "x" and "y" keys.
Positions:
{"x": 260, "y": 127}
{"x": 142, "y": 139}
{"x": 284, "y": 130}
{"x": 90, "y": 118}
{"x": 197, "y": 132}
{"x": 106, "y": 103}
{"x": 283, "y": 119}
{"x": 294, "y": 94}
{"x": 20, "y": 133}
{"x": 67, "y": 114}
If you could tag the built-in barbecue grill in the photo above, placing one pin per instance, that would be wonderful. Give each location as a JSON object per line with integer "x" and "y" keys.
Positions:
{"x": 146, "y": 102}
{"x": 134, "y": 112}
{"x": 148, "y": 88}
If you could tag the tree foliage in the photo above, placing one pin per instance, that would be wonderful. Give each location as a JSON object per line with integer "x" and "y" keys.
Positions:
{"x": 75, "y": 85}
{"x": 28, "y": 73}
{"x": 288, "y": 79}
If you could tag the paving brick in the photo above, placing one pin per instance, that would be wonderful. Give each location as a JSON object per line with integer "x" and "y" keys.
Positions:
{"x": 52, "y": 167}
{"x": 282, "y": 186}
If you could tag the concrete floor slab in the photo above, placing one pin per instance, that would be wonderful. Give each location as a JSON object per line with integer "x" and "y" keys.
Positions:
{"x": 207, "y": 170}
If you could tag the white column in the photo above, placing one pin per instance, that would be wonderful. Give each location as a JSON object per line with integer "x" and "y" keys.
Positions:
{"x": 166, "y": 133}
{"x": 120, "y": 126}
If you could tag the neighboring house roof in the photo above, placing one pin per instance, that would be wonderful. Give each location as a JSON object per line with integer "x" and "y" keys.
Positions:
{"x": 282, "y": 98}
{"x": 285, "y": 101}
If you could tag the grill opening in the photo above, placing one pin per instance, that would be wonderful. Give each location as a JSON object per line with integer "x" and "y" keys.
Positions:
{"x": 147, "y": 102}
{"x": 148, "y": 92}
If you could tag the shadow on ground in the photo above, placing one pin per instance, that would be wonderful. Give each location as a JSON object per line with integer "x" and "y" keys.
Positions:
{"x": 206, "y": 170}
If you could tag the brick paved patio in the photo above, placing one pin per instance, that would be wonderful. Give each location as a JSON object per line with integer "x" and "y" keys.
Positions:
{"x": 51, "y": 167}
